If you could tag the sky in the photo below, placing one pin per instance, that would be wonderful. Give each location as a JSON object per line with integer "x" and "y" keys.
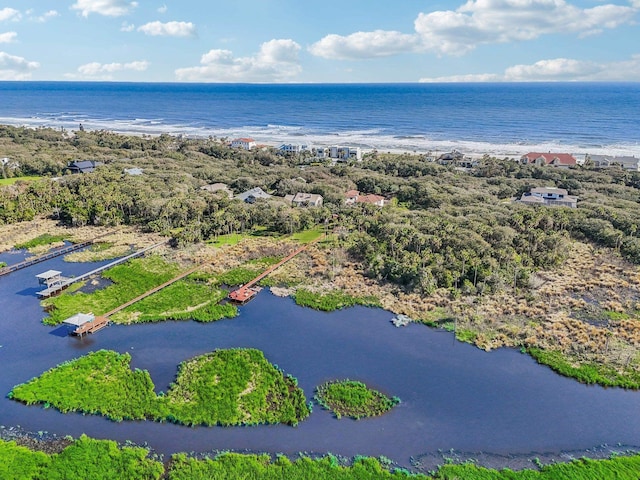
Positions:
{"x": 328, "y": 41}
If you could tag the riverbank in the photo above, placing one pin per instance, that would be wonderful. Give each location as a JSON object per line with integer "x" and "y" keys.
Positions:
{"x": 24, "y": 457}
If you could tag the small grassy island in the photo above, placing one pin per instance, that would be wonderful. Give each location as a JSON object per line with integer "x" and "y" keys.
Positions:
{"x": 353, "y": 399}
{"x": 226, "y": 387}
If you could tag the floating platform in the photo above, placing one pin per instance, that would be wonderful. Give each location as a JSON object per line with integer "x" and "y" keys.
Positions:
{"x": 244, "y": 294}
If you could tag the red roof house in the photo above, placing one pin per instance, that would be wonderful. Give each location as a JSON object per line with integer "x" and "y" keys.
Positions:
{"x": 555, "y": 159}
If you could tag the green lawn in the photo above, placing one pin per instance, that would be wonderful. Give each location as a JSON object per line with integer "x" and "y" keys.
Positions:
{"x": 11, "y": 181}
{"x": 308, "y": 236}
{"x": 230, "y": 239}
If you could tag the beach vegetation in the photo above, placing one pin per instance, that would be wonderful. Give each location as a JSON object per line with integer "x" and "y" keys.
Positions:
{"x": 226, "y": 387}
{"x": 350, "y": 398}
{"x": 331, "y": 301}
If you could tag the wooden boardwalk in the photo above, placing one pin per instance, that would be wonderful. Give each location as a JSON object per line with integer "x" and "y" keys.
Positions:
{"x": 151, "y": 292}
{"x": 249, "y": 290}
{"x": 58, "y": 288}
{"x": 47, "y": 256}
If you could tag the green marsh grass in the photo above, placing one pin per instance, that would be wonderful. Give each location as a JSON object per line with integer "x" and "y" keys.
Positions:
{"x": 349, "y": 398}
{"x": 619, "y": 468}
{"x": 85, "y": 459}
{"x": 193, "y": 298}
{"x": 331, "y": 301}
{"x": 231, "y": 466}
{"x": 226, "y": 387}
{"x": 44, "y": 239}
{"x": 589, "y": 373}
{"x": 130, "y": 280}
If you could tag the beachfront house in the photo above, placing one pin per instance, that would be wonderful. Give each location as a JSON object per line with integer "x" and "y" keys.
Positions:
{"x": 605, "y": 161}
{"x": 302, "y": 199}
{"x": 250, "y": 196}
{"x": 292, "y": 148}
{"x": 549, "y": 196}
{"x": 83, "y": 166}
{"x": 353, "y": 196}
{"x": 560, "y": 160}
{"x": 339, "y": 153}
{"x": 451, "y": 158}
{"x": 244, "y": 143}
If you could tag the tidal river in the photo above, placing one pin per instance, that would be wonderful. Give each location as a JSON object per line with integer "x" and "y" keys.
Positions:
{"x": 454, "y": 396}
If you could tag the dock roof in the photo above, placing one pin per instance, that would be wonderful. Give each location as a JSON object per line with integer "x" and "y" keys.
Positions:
{"x": 80, "y": 319}
{"x": 48, "y": 274}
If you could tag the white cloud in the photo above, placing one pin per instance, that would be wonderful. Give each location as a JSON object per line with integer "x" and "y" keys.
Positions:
{"x": 95, "y": 68}
{"x": 109, "y": 8}
{"x": 169, "y": 29}
{"x": 500, "y": 21}
{"x": 163, "y": 9}
{"x": 557, "y": 69}
{"x": 378, "y": 43}
{"x": 127, "y": 27}
{"x": 276, "y": 61}
{"x": 8, "y": 37}
{"x": 10, "y": 14}
{"x": 477, "y": 22}
{"x": 46, "y": 16}
{"x": 15, "y": 68}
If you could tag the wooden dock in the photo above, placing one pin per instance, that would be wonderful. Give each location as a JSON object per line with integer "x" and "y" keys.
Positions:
{"x": 48, "y": 256}
{"x": 91, "y": 327}
{"x": 246, "y": 292}
{"x": 49, "y": 292}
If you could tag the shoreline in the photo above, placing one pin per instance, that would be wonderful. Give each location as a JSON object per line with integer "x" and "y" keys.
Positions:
{"x": 274, "y": 136}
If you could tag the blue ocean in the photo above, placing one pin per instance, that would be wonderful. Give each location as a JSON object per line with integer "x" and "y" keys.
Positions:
{"x": 499, "y": 118}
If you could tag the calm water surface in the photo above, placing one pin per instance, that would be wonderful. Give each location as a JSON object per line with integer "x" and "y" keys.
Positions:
{"x": 453, "y": 395}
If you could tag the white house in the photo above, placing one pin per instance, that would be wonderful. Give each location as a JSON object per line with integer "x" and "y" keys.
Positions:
{"x": 605, "y": 161}
{"x": 302, "y": 199}
{"x": 340, "y": 153}
{"x": 550, "y": 196}
{"x": 292, "y": 148}
{"x": 250, "y": 196}
{"x": 244, "y": 143}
